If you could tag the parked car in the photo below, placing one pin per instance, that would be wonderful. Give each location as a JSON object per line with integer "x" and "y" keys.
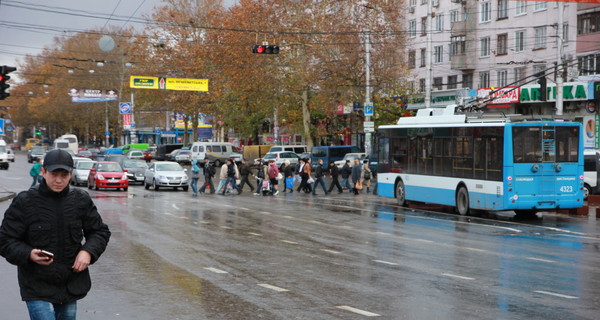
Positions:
{"x": 184, "y": 157}
{"x": 10, "y": 155}
{"x": 351, "y": 156}
{"x": 171, "y": 156}
{"x": 118, "y": 158}
{"x": 81, "y": 172}
{"x": 149, "y": 154}
{"x": 106, "y": 174}
{"x": 35, "y": 152}
{"x": 16, "y": 146}
{"x": 85, "y": 154}
{"x": 281, "y": 156}
{"x": 166, "y": 174}
{"x": 136, "y": 169}
{"x": 135, "y": 154}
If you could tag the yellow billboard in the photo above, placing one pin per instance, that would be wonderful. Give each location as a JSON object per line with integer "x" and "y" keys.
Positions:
{"x": 180, "y": 84}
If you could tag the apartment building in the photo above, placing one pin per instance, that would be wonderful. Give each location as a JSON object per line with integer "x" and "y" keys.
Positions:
{"x": 477, "y": 45}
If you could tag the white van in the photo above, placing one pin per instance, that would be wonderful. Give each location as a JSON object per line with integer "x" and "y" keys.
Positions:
{"x": 216, "y": 152}
{"x": 3, "y": 155}
{"x": 591, "y": 168}
{"x": 73, "y": 142}
{"x": 297, "y": 149}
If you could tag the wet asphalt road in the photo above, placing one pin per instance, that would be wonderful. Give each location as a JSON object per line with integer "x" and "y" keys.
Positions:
{"x": 298, "y": 256}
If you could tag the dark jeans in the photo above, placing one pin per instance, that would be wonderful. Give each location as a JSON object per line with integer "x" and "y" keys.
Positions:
{"x": 336, "y": 183}
{"x": 231, "y": 180}
{"x": 35, "y": 180}
{"x": 245, "y": 181}
{"x": 319, "y": 181}
{"x": 194, "y": 185}
{"x": 208, "y": 182}
{"x": 43, "y": 310}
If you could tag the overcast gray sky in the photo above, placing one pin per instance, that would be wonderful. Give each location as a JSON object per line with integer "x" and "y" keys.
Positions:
{"x": 26, "y": 26}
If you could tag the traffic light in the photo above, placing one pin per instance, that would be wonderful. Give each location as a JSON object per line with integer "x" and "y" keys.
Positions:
{"x": 265, "y": 49}
{"x": 542, "y": 82}
{"x": 4, "y": 71}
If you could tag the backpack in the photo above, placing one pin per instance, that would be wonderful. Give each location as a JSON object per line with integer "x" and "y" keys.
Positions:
{"x": 230, "y": 171}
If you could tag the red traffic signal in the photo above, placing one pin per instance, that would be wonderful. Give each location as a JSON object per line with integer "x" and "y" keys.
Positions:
{"x": 4, "y": 71}
{"x": 265, "y": 49}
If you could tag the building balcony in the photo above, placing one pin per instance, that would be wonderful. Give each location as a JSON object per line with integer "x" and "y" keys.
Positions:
{"x": 463, "y": 61}
{"x": 458, "y": 29}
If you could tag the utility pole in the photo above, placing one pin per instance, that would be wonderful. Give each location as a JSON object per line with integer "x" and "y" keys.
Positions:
{"x": 428, "y": 71}
{"x": 368, "y": 88}
{"x": 559, "y": 56}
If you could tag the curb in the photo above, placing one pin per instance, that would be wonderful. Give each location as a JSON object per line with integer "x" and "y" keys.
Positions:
{"x": 9, "y": 196}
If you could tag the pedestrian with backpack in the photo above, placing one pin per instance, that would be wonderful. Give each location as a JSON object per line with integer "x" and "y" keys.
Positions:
{"x": 209, "y": 173}
{"x": 232, "y": 175}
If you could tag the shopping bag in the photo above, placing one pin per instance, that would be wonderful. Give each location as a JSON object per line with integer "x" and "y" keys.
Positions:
{"x": 289, "y": 183}
{"x": 358, "y": 186}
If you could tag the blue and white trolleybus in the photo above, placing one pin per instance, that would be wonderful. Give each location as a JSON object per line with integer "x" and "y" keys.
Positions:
{"x": 477, "y": 162}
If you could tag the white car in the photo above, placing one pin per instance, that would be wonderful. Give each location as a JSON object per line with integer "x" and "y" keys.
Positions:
{"x": 10, "y": 154}
{"x": 166, "y": 174}
{"x": 281, "y": 156}
{"x": 81, "y": 172}
{"x": 135, "y": 154}
{"x": 184, "y": 156}
{"x": 351, "y": 156}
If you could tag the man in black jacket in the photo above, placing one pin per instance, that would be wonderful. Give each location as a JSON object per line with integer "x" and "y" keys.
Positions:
{"x": 319, "y": 174}
{"x": 346, "y": 172}
{"x": 244, "y": 173}
{"x": 334, "y": 172}
{"x": 42, "y": 233}
{"x": 209, "y": 173}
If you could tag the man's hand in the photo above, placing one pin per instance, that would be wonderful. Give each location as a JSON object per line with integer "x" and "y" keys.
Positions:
{"x": 38, "y": 257}
{"x": 82, "y": 261}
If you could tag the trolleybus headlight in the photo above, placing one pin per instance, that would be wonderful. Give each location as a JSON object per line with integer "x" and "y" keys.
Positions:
{"x": 535, "y": 167}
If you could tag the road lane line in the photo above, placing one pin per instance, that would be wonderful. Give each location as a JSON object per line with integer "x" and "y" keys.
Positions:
{"x": 422, "y": 240}
{"x": 346, "y": 227}
{"x": 386, "y": 262}
{"x": 475, "y": 249}
{"x": 542, "y": 260}
{"x": 457, "y": 276}
{"x": 288, "y": 241}
{"x": 315, "y": 221}
{"x": 287, "y": 217}
{"x": 556, "y": 294}
{"x": 174, "y": 216}
{"x": 226, "y": 227}
{"x": 255, "y": 234}
{"x": 331, "y": 251}
{"x": 215, "y": 270}
{"x": 268, "y": 286}
{"x": 265, "y": 212}
{"x": 358, "y": 311}
{"x": 175, "y": 206}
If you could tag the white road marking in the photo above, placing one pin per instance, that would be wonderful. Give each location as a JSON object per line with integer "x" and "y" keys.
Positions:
{"x": 422, "y": 240}
{"x": 542, "y": 260}
{"x": 457, "y": 276}
{"x": 226, "y": 227}
{"x": 315, "y": 221}
{"x": 331, "y": 251}
{"x": 386, "y": 262}
{"x": 268, "y": 286}
{"x": 475, "y": 249}
{"x": 172, "y": 215}
{"x": 255, "y": 234}
{"x": 175, "y": 206}
{"x": 556, "y": 294}
{"x": 265, "y": 212}
{"x": 287, "y": 217}
{"x": 215, "y": 270}
{"x": 288, "y": 241}
{"x": 346, "y": 227}
{"x": 358, "y": 311}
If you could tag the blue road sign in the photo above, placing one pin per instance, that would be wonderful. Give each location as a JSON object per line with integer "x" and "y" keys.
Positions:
{"x": 368, "y": 109}
{"x": 107, "y": 133}
{"x": 1, "y": 127}
{"x": 125, "y": 107}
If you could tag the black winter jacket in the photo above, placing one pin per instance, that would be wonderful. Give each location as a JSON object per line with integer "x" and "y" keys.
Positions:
{"x": 334, "y": 171}
{"x": 346, "y": 171}
{"x": 57, "y": 222}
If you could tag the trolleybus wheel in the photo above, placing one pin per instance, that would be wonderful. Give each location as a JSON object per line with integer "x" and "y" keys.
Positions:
{"x": 401, "y": 193}
{"x": 587, "y": 190}
{"x": 462, "y": 201}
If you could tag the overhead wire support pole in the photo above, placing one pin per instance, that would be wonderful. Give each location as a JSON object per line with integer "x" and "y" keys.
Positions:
{"x": 368, "y": 101}
{"x": 559, "y": 59}
{"x": 428, "y": 71}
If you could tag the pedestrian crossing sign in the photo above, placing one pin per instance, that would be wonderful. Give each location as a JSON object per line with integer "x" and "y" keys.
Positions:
{"x": 1, "y": 127}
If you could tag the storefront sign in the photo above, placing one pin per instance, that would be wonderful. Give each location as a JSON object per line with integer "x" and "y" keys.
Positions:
{"x": 572, "y": 91}
{"x": 500, "y": 96}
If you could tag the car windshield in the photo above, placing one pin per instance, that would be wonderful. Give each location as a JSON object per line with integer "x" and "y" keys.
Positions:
{"x": 168, "y": 167}
{"x": 135, "y": 164}
{"x": 2, "y": 149}
{"x": 270, "y": 156}
{"x": 37, "y": 151}
{"x": 109, "y": 167}
{"x": 85, "y": 165}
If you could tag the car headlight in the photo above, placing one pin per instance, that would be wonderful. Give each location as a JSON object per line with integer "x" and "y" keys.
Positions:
{"x": 100, "y": 177}
{"x": 124, "y": 177}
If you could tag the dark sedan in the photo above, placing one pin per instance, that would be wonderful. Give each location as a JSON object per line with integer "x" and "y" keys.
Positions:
{"x": 135, "y": 170}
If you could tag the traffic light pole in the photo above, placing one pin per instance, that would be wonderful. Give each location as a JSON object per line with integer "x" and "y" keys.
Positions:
{"x": 368, "y": 89}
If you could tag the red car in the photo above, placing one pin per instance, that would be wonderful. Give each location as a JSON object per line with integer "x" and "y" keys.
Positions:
{"x": 106, "y": 174}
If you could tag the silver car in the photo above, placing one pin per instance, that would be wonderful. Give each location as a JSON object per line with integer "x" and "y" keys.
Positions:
{"x": 81, "y": 172}
{"x": 166, "y": 174}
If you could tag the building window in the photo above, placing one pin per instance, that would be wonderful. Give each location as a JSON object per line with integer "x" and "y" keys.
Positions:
{"x": 540, "y": 38}
{"x": 502, "y": 44}
{"x": 423, "y": 2}
{"x": 588, "y": 23}
{"x": 423, "y": 58}
{"x": 439, "y": 23}
{"x": 484, "y": 46}
{"x": 484, "y": 79}
{"x": 424, "y": 26}
{"x": 412, "y": 59}
{"x": 485, "y": 12}
{"x": 540, "y": 5}
{"x": 456, "y": 16}
{"x": 539, "y": 68}
{"x": 521, "y": 8}
{"x": 452, "y": 82}
{"x": 520, "y": 41}
{"x": 412, "y": 3}
{"x": 412, "y": 28}
{"x": 588, "y": 65}
{"x": 438, "y": 52}
{"x": 457, "y": 45}
{"x": 467, "y": 80}
{"x": 421, "y": 85}
{"x": 438, "y": 83}
{"x": 502, "y": 9}
{"x": 520, "y": 75}
{"x": 502, "y": 78}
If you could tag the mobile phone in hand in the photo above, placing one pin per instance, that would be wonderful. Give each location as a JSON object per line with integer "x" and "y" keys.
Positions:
{"x": 47, "y": 254}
